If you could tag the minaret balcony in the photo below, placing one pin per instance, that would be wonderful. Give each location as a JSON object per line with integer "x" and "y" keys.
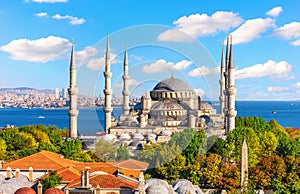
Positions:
{"x": 107, "y": 91}
{"x": 108, "y": 110}
{"x": 126, "y": 77}
{"x": 125, "y": 93}
{"x": 107, "y": 74}
{"x": 73, "y": 112}
{"x": 231, "y": 90}
{"x": 73, "y": 91}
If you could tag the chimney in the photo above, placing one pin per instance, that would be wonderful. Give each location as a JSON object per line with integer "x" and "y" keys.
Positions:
{"x": 82, "y": 178}
{"x": 8, "y": 172}
{"x": 18, "y": 173}
{"x": 87, "y": 176}
{"x": 98, "y": 189}
{"x": 40, "y": 188}
{"x": 30, "y": 173}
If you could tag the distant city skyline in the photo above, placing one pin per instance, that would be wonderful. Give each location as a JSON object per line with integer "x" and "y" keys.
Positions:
{"x": 35, "y": 44}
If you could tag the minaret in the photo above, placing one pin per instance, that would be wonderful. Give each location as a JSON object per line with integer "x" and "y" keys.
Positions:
{"x": 244, "y": 167}
{"x": 125, "y": 91}
{"x": 231, "y": 92}
{"x": 73, "y": 91}
{"x": 225, "y": 110}
{"x": 222, "y": 84}
{"x": 107, "y": 90}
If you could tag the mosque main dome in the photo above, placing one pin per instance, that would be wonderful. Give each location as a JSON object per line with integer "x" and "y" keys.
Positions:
{"x": 172, "y": 84}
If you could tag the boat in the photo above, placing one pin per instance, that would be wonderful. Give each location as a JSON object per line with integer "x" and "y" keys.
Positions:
{"x": 274, "y": 112}
{"x": 41, "y": 117}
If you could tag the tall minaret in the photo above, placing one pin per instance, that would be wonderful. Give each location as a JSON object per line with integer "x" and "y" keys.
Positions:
{"x": 125, "y": 91}
{"x": 222, "y": 84}
{"x": 107, "y": 90}
{"x": 231, "y": 91}
{"x": 225, "y": 110}
{"x": 73, "y": 91}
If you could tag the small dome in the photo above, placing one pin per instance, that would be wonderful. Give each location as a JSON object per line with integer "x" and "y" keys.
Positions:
{"x": 183, "y": 186}
{"x": 151, "y": 136}
{"x": 205, "y": 105}
{"x": 109, "y": 137}
{"x": 25, "y": 190}
{"x": 165, "y": 133}
{"x": 53, "y": 191}
{"x": 167, "y": 105}
{"x": 136, "y": 144}
{"x": 124, "y": 136}
{"x": 157, "y": 189}
{"x": 138, "y": 136}
{"x": 131, "y": 118}
{"x": 172, "y": 84}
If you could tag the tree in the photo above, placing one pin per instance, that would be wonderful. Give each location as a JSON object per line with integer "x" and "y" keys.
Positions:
{"x": 51, "y": 181}
{"x": 106, "y": 150}
{"x": 47, "y": 146}
{"x": 268, "y": 142}
{"x": 3, "y": 148}
{"x": 122, "y": 153}
{"x": 268, "y": 169}
{"x": 80, "y": 157}
{"x": 70, "y": 147}
{"x": 172, "y": 170}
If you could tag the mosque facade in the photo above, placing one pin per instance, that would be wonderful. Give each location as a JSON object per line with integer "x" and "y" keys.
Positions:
{"x": 172, "y": 105}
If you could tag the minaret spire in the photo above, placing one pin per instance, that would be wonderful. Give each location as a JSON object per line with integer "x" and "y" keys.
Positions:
{"x": 231, "y": 92}
{"x": 107, "y": 90}
{"x": 73, "y": 91}
{"x": 222, "y": 83}
{"x": 126, "y": 84}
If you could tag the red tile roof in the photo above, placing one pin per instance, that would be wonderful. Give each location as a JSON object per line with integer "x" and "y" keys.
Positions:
{"x": 132, "y": 164}
{"x": 106, "y": 181}
{"x": 43, "y": 160}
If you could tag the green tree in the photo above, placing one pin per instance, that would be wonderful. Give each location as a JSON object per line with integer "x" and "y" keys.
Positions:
{"x": 80, "y": 157}
{"x": 172, "y": 170}
{"x": 51, "y": 181}
{"x": 122, "y": 153}
{"x": 106, "y": 150}
{"x": 47, "y": 146}
{"x": 3, "y": 148}
{"x": 70, "y": 147}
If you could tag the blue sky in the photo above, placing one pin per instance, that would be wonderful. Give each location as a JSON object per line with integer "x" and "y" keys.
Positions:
{"x": 183, "y": 38}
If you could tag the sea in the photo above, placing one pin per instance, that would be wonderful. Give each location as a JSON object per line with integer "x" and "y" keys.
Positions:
{"x": 91, "y": 120}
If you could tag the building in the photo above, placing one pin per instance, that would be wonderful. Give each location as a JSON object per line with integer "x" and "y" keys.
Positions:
{"x": 172, "y": 105}
{"x": 27, "y": 171}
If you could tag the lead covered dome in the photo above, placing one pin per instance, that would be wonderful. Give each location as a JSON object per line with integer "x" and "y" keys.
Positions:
{"x": 172, "y": 84}
{"x": 172, "y": 88}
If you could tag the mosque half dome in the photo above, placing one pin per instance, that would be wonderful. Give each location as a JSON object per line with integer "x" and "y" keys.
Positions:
{"x": 173, "y": 85}
{"x": 25, "y": 190}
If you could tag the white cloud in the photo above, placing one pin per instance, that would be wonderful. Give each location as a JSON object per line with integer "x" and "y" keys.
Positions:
{"x": 99, "y": 63}
{"x": 197, "y": 25}
{"x": 270, "y": 68}
{"x": 275, "y": 11}
{"x": 203, "y": 71}
{"x": 252, "y": 29}
{"x": 85, "y": 54}
{"x": 48, "y": 1}
{"x": 278, "y": 89}
{"x": 41, "y": 14}
{"x": 39, "y": 50}
{"x": 73, "y": 20}
{"x": 290, "y": 31}
{"x": 199, "y": 91}
{"x": 298, "y": 85}
{"x": 132, "y": 83}
{"x": 162, "y": 65}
